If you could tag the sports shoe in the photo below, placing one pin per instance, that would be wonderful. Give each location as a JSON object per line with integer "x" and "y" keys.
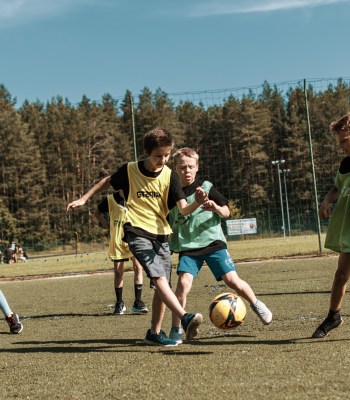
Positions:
{"x": 160, "y": 339}
{"x": 176, "y": 334}
{"x": 262, "y": 312}
{"x": 139, "y": 307}
{"x": 326, "y": 326}
{"x": 190, "y": 323}
{"x": 14, "y": 324}
{"x": 119, "y": 308}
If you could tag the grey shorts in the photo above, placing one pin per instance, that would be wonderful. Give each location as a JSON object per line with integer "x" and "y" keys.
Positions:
{"x": 154, "y": 256}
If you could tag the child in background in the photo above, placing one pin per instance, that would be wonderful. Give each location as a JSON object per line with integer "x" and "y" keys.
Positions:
{"x": 338, "y": 233}
{"x": 119, "y": 251}
{"x": 199, "y": 238}
{"x": 11, "y": 318}
{"x": 151, "y": 189}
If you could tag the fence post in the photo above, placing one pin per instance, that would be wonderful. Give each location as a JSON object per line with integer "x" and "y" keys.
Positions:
{"x": 133, "y": 126}
{"x": 313, "y": 167}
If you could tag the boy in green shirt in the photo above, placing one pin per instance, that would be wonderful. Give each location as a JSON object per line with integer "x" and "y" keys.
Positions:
{"x": 338, "y": 233}
{"x": 199, "y": 237}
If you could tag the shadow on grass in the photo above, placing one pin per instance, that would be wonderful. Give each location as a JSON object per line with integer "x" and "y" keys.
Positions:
{"x": 58, "y": 316}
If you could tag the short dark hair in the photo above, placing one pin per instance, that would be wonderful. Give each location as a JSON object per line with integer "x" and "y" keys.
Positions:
{"x": 342, "y": 125}
{"x": 155, "y": 138}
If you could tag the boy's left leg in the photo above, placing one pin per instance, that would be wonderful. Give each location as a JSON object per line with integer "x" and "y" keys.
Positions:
{"x": 118, "y": 287}
{"x": 223, "y": 268}
{"x": 11, "y": 318}
{"x": 341, "y": 277}
{"x": 139, "y": 306}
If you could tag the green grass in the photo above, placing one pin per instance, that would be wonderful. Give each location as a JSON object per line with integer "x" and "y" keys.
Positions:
{"x": 98, "y": 261}
{"x": 72, "y": 348}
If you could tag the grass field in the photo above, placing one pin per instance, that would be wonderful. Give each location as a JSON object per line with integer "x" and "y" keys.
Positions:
{"x": 90, "y": 262}
{"x": 72, "y": 348}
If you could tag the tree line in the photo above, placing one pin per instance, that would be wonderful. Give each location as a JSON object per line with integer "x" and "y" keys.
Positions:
{"x": 53, "y": 153}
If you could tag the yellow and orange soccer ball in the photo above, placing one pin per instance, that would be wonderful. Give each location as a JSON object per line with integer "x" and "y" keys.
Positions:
{"x": 227, "y": 311}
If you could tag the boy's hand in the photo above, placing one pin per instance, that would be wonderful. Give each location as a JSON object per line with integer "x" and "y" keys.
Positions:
{"x": 210, "y": 205}
{"x": 200, "y": 196}
{"x": 76, "y": 203}
{"x": 325, "y": 210}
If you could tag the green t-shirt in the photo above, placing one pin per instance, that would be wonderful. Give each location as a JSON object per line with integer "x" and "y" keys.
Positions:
{"x": 197, "y": 230}
{"x": 338, "y": 233}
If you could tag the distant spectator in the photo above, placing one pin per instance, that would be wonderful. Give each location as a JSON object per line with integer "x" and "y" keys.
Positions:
{"x": 10, "y": 256}
{"x": 21, "y": 254}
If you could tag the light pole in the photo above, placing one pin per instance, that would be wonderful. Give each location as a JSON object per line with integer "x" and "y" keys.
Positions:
{"x": 286, "y": 171}
{"x": 278, "y": 162}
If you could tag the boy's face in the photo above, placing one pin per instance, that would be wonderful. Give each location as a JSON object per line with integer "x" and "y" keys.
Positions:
{"x": 186, "y": 168}
{"x": 158, "y": 158}
{"x": 344, "y": 142}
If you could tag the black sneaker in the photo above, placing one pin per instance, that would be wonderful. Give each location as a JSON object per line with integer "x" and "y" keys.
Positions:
{"x": 119, "y": 308}
{"x": 160, "y": 339}
{"x": 326, "y": 326}
{"x": 139, "y": 307}
{"x": 190, "y": 323}
{"x": 14, "y": 324}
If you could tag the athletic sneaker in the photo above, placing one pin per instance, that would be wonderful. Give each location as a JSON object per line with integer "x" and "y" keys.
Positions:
{"x": 326, "y": 326}
{"x": 119, "y": 308}
{"x": 139, "y": 307}
{"x": 176, "y": 334}
{"x": 14, "y": 324}
{"x": 262, "y": 312}
{"x": 190, "y": 323}
{"x": 158, "y": 340}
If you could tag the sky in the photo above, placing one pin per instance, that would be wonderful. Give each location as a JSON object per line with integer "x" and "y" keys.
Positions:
{"x": 72, "y": 48}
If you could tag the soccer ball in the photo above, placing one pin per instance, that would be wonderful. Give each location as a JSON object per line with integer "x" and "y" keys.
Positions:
{"x": 227, "y": 311}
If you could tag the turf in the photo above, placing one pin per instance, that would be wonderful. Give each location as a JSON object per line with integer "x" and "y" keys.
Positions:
{"x": 73, "y": 348}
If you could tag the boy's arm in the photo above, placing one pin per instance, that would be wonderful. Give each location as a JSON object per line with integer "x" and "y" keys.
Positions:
{"x": 102, "y": 184}
{"x": 223, "y": 211}
{"x": 200, "y": 198}
{"x": 325, "y": 210}
{"x": 101, "y": 219}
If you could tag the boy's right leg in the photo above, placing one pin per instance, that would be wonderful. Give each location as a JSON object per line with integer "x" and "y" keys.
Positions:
{"x": 341, "y": 277}
{"x": 11, "y": 318}
{"x": 118, "y": 287}
{"x": 139, "y": 306}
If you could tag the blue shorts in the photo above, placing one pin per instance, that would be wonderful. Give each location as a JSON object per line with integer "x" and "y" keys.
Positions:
{"x": 219, "y": 262}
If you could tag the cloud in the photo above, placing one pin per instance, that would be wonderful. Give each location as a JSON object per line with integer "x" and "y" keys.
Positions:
{"x": 223, "y": 7}
{"x": 13, "y": 12}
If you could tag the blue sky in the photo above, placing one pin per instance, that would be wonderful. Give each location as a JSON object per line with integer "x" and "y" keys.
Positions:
{"x": 73, "y": 48}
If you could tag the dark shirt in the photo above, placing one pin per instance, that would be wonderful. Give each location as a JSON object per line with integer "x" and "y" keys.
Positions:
{"x": 345, "y": 165}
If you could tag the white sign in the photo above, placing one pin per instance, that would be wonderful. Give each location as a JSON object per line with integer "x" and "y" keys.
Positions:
{"x": 245, "y": 226}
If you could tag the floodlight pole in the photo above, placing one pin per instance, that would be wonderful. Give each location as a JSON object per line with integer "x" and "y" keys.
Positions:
{"x": 285, "y": 171}
{"x": 278, "y": 162}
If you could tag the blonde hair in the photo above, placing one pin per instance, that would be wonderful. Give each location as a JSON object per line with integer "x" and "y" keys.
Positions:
{"x": 185, "y": 152}
{"x": 342, "y": 125}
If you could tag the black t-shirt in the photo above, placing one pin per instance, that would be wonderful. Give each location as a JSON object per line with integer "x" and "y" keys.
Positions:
{"x": 120, "y": 181}
{"x": 220, "y": 201}
{"x": 103, "y": 206}
{"x": 345, "y": 165}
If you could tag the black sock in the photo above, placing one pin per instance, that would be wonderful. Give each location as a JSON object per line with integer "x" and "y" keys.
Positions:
{"x": 138, "y": 292}
{"x": 333, "y": 315}
{"x": 119, "y": 294}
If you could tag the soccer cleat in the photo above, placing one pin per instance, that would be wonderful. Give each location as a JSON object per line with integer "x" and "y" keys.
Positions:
{"x": 326, "y": 326}
{"x": 119, "y": 308}
{"x": 14, "y": 324}
{"x": 262, "y": 312}
{"x": 139, "y": 307}
{"x": 160, "y": 339}
{"x": 190, "y": 323}
{"x": 176, "y": 334}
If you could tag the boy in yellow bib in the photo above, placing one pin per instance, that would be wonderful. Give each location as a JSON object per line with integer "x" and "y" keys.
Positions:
{"x": 119, "y": 251}
{"x": 151, "y": 189}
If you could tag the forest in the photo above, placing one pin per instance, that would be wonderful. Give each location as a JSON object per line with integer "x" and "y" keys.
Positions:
{"x": 52, "y": 153}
